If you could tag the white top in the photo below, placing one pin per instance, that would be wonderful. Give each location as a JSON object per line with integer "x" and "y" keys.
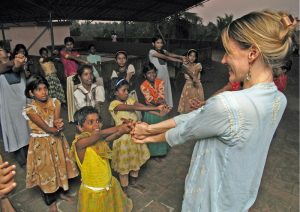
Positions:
{"x": 130, "y": 69}
{"x": 84, "y": 97}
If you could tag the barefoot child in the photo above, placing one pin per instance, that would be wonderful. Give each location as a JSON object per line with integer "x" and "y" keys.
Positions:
{"x": 127, "y": 157}
{"x": 49, "y": 163}
{"x": 153, "y": 91}
{"x": 192, "y": 88}
{"x": 99, "y": 190}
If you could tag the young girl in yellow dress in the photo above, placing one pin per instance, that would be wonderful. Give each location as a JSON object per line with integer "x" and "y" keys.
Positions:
{"x": 99, "y": 190}
{"x": 127, "y": 157}
{"x": 49, "y": 163}
{"x": 192, "y": 89}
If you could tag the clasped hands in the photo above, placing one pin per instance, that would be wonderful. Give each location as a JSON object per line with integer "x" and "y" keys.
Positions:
{"x": 59, "y": 125}
{"x": 138, "y": 129}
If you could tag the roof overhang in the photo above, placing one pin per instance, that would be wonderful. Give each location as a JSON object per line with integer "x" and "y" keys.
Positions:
{"x": 113, "y": 10}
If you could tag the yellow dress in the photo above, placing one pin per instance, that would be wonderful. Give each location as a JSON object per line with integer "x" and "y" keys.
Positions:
{"x": 99, "y": 190}
{"x": 49, "y": 162}
{"x": 127, "y": 156}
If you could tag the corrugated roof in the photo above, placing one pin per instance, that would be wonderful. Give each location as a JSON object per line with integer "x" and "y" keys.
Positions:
{"x": 118, "y": 10}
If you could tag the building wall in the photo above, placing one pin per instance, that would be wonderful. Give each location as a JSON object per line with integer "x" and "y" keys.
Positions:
{"x": 27, "y": 34}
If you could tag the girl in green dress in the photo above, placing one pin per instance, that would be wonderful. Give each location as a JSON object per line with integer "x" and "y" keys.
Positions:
{"x": 153, "y": 91}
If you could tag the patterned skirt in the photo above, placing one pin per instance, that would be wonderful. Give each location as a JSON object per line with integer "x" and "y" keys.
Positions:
{"x": 189, "y": 92}
{"x": 55, "y": 88}
{"x": 128, "y": 156}
{"x": 49, "y": 163}
{"x": 156, "y": 149}
{"x": 113, "y": 200}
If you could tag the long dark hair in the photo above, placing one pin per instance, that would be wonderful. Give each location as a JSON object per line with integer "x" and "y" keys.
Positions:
{"x": 17, "y": 48}
{"x": 156, "y": 38}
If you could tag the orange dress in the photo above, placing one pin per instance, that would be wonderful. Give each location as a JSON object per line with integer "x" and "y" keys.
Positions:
{"x": 49, "y": 162}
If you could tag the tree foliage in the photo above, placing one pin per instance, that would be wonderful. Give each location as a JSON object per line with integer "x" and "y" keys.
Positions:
{"x": 183, "y": 25}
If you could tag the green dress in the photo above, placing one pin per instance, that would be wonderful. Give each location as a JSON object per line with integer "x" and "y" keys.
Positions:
{"x": 154, "y": 92}
{"x": 156, "y": 149}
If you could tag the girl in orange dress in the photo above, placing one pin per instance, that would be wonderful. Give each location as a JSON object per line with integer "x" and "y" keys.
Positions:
{"x": 153, "y": 90}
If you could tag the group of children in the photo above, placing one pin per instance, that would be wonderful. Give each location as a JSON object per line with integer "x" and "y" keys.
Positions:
{"x": 50, "y": 161}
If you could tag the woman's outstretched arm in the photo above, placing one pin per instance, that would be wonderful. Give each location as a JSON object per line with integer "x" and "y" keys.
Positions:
{"x": 143, "y": 129}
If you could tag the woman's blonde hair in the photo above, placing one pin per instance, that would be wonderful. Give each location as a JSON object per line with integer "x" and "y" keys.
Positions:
{"x": 265, "y": 30}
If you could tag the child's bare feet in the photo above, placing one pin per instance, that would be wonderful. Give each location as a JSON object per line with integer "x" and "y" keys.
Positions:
{"x": 67, "y": 198}
{"x": 53, "y": 207}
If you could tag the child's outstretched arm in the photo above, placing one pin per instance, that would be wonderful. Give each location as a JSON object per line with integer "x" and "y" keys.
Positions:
{"x": 121, "y": 130}
{"x": 139, "y": 107}
{"x": 116, "y": 131}
{"x": 113, "y": 132}
{"x": 166, "y": 57}
{"x": 83, "y": 143}
{"x": 77, "y": 59}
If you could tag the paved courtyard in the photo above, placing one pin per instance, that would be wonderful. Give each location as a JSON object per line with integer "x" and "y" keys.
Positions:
{"x": 164, "y": 181}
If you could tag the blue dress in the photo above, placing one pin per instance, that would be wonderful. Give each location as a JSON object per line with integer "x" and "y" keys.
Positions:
{"x": 233, "y": 133}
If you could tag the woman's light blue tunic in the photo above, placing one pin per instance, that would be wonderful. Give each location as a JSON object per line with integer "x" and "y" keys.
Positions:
{"x": 233, "y": 133}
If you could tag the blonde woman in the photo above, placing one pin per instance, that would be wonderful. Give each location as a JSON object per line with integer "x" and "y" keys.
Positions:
{"x": 234, "y": 129}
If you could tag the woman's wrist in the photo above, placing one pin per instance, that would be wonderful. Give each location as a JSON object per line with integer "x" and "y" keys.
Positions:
{"x": 149, "y": 129}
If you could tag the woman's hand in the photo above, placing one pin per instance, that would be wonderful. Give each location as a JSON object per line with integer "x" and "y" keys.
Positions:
{"x": 140, "y": 129}
{"x": 7, "y": 182}
{"x": 140, "y": 140}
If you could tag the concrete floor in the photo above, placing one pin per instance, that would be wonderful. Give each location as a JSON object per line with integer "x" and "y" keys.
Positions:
{"x": 164, "y": 181}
